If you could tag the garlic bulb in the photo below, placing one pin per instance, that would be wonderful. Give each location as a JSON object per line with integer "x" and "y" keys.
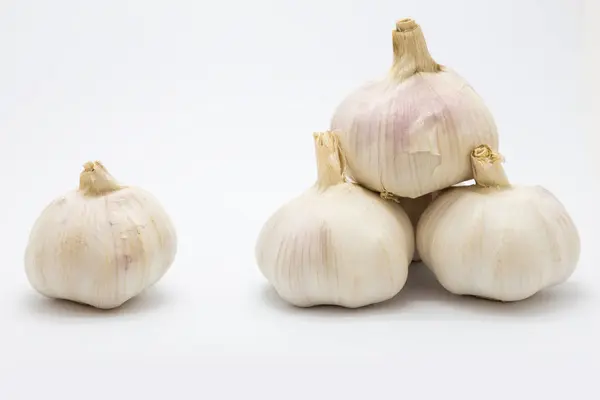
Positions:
{"x": 100, "y": 245}
{"x": 495, "y": 240}
{"x": 411, "y": 132}
{"x": 337, "y": 243}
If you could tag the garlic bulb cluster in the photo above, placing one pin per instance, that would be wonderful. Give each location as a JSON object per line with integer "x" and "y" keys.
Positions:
{"x": 388, "y": 169}
{"x": 337, "y": 243}
{"x": 410, "y": 133}
{"x": 496, "y": 240}
{"x": 100, "y": 245}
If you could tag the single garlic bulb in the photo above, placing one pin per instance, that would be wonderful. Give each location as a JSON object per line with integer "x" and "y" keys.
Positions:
{"x": 338, "y": 243}
{"x": 100, "y": 245}
{"x": 411, "y": 132}
{"x": 495, "y": 240}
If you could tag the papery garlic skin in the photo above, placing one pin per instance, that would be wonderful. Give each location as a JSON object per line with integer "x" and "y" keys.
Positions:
{"x": 411, "y": 132}
{"x": 504, "y": 243}
{"x": 102, "y": 246}
{"x": 337, "y": 243}
{"x": 345, "y": 247}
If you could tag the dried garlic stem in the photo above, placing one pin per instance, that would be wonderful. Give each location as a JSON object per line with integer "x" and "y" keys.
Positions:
{"x": 331, "y": 164}
{"x": 95, "y": 180}
{"x": 411, "y": 55}
{"x": 487, "y": 167}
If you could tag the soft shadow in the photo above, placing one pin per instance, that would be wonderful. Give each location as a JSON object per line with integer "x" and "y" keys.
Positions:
{"x": 423, "y": 288}
{"x": 150, "y": 300}
{"x": 423, "y": 298}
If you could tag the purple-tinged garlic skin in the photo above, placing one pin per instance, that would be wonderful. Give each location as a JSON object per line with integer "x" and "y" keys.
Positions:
{"x": 411, "y": 133}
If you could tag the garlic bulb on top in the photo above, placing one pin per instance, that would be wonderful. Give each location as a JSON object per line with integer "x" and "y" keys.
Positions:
{"x": 337, "y": 243}
{"x": 495, "y": 240}
{"x": 100, "y": 245}
{"x": 411, "y": 132}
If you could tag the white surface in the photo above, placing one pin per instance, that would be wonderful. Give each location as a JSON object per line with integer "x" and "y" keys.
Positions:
{"x": 211, "y": 107}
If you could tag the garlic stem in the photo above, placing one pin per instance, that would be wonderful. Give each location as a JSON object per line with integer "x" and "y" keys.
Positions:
{"x": 330, "y": 160}
{"x": 95, "y": 180}
{"x": 411, "y": 55}
{"x": 487, "y": 167}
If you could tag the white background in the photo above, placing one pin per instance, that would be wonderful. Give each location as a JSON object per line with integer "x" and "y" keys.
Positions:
{"x": 211, "y": 107}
